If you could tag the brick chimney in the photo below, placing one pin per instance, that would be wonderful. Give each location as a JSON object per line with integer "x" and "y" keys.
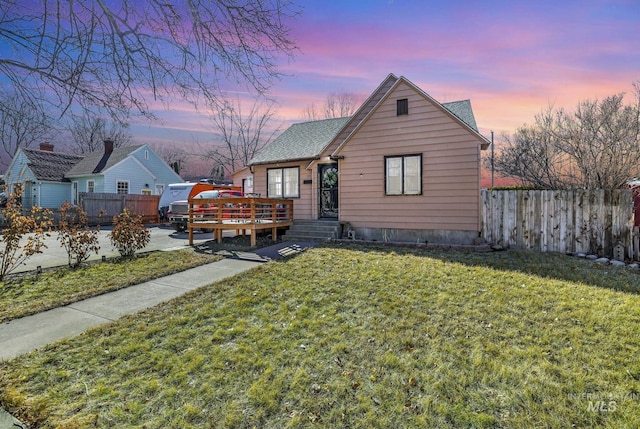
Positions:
{"x": 46, "y": 146}
{"x": 108, "y": 146}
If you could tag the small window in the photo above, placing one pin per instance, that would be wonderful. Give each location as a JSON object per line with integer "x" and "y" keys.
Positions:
{"x": 74, "y": 191}
{"x": 146, "y": 154}
{"x": 122, "y": 187}
{"x": 283, "y": 182}
{"x": 403, "y": 106}
{"x": 91, "y": 186}
{"x": 403, "y": 175}
{"x": 146, "y": 192}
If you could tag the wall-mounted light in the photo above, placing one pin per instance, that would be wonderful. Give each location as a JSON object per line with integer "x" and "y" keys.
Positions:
{"x": 361, "y": 175}
{"x": 146, "y": 185}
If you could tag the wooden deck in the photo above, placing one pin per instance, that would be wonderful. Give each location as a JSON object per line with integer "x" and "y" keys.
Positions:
{"x": 239, "y": 214}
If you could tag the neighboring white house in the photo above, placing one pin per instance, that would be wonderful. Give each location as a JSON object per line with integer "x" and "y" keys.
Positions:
{"x": 48, "y": 178}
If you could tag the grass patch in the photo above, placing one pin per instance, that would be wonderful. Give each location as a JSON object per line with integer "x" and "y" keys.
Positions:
{"x": 350, "y": 336}
{"x": 29, "y": 294}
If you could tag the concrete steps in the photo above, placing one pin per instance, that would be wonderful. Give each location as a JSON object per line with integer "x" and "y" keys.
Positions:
{"x": 312, "y": 230}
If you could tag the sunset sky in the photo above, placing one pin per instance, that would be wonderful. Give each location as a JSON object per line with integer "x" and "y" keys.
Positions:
{"x": 510, "y": 58}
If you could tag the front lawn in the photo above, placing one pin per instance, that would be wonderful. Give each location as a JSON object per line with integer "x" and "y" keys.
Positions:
{"x": 358, "y": 337}
{"x": 22, "y": 295}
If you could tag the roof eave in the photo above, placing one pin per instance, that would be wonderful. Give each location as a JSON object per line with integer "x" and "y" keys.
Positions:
{"x": 280, "y": 161}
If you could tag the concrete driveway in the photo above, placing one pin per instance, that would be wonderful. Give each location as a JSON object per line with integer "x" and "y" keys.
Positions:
{"x": 162, "y": 238}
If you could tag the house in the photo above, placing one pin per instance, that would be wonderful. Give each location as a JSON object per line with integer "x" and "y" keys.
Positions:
{"x": 243, "y": 180}
{"x": 404, "y": 167}
{"x": 48, "y": 178}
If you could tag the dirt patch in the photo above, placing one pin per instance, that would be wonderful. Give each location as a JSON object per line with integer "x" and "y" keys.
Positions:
{"x": 237, "y": 243}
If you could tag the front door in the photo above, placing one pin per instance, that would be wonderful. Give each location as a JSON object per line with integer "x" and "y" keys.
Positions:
{"x": 328, "y": 198}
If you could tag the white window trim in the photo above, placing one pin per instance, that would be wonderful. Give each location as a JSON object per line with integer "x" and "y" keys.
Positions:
{"x": 283, "y": 190}
{"x": 75, "y": 188}
{"x": 128, "y": 186}
{"x": 94, "y": 185}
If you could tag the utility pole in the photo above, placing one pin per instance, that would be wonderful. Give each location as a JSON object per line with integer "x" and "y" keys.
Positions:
{"x": 492, "y": 154}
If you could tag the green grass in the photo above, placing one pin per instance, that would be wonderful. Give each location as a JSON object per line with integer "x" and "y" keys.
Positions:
{"x": 357, "y": 337}
{"x": 22, "y": 295}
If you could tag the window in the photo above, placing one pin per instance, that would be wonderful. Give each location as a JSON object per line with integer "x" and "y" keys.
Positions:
{"x": 146, "y": 192}
{"x": 283, "y": 182}
{"x": 247, "y": 185}
{"x": 402, "y": 106}
{"x": 74, "y": 192}
{"x": 91, "y": 186}
{"x": 403, "y": 175}
{"x": 122, "y": 187}
{"x": 146, "y": 154}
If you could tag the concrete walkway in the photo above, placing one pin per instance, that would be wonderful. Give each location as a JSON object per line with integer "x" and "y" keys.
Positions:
{"x": 26, "y": 334}
{"x": 20, "y": 336}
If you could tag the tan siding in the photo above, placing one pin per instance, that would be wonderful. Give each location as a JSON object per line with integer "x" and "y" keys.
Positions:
{"x": 302, "y": 206}
{"x": 450, "y": 176}
{"x": 362, "y": 113}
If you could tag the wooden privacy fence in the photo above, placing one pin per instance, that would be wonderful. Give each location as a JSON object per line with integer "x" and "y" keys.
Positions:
{"x": 590, "y": 221}
{"x": 102, "y": 207}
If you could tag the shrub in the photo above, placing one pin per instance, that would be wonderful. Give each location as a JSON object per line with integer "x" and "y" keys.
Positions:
{"x": 129, "y": 234}
{"x": 75, "y": 236}
{"x": 35, "y": 227}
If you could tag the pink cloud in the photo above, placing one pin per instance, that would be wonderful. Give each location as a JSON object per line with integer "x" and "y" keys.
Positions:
{"x": 511, "y": 59}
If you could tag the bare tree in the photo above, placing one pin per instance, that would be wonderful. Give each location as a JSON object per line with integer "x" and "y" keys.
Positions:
{"x": 175, "y": 157}
{"x": 602, "y": 138}
{"x": 242, "y": 133}
{"x": 88, "y": 133}
{"x": 532, "y": 156}
{"x": 594, "y": 147}
{"x": 337, "y": 105}
{"x": 23, "y": 123}
{"x": 122, "y": 55}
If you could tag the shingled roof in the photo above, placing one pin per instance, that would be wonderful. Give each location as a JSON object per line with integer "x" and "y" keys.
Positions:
{"x": 307, "y": 140}
{"x": 97, "y": 162}
{"x": 301, "y": 141}
{"x": 462, "y": 109}
{"x": 50, "y": 166}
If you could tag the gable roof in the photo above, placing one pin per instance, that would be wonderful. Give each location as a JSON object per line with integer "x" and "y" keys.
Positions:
{"x": 460, "y": 111}
{"x": 97, "y": 162}
{"x": 305, "y": 140}
{"x": 50, "y": 166}
{"x": 308, "y": 140}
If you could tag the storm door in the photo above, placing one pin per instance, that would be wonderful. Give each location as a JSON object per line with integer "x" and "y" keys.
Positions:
{"x": 328, "y": 189}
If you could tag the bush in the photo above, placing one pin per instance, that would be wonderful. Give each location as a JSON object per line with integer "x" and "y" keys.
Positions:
{"x": 129, "y": 234}
{"x": 75, "y": 236}
{"x": 36, "y": 226}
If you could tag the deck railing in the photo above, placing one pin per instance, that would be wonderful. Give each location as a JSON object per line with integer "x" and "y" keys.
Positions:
{"x": 240, "y": 214}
